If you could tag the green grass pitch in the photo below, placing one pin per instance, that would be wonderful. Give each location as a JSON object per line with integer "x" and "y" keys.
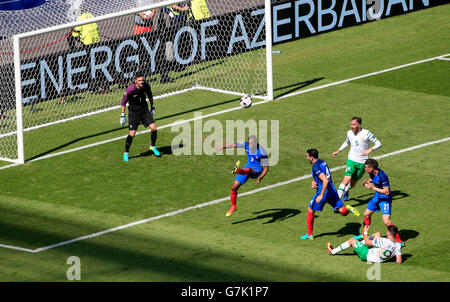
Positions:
{"x": 84, "y": 192}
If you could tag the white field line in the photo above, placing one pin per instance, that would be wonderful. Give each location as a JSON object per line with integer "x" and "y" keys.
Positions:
{"x": 363, "y": 76}
{"x": 7, "y": 159}
{"x": 11, "y": 247}
{"x": 212, "y": 202}
{"x": 225, "y": 198}
{"x": 93, "y": 113}
{"x": 229, "y": 92}
{"x": 227, "y": 110}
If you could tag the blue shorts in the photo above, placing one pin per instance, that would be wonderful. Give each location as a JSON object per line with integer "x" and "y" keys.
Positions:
{"x": 382, "y": 203}
{"x": 330, "y": 197}
{"x": 243, "y": 178}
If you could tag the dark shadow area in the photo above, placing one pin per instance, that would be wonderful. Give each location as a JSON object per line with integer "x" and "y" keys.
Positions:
{"x": 408, "y": 234}
{"x": 364, "y": 199}
{"x": 190, "y": 73}
{"x": 273, "y": 215}
{"x": 297, "y": 86}
{"x": 153, "y": 254}
{"x": 197, "y": 109}
{"x": 405, "y": 257}
{"x": 122, "y": 128}
{"x": 166, "y": 150}
{"x": 399, "y": 195}
{"x": 361, "y": 199}
{"x": 73, "y": 142}
{"x": 350, "y": 229}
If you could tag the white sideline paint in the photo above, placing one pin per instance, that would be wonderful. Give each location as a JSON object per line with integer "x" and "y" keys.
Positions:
{"x": 16, "y": 248}
{"x": 364, "y": 76}
{"x": 212, "y": 202}
{"x": 231, "y": 109}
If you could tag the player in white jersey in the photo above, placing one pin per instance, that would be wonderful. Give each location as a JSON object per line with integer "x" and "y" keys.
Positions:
{"x": 359, "y": 140}
{"x": 374, "y": 248}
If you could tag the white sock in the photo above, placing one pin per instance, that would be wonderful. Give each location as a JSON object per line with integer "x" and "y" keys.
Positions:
{"x": 347, "y": 187}
{"x": 340, "y": 248}
{"x": 341, "y": 190}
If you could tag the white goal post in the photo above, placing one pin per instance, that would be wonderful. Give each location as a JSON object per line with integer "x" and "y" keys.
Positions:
{"x": 228, "y": 52}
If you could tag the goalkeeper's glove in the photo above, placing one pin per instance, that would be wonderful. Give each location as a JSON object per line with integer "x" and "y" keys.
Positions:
{"x": 123, "y": 119}
{"x": 152, "y": 110}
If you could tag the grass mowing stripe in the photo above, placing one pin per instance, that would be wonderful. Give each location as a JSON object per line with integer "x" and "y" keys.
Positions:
{"x": 232, "y": 109}
{"x": 212, "y": 202}
{"x": 362, "y": 76}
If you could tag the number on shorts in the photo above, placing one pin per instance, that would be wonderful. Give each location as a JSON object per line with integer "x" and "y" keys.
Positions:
{"x": 386, "y": 254}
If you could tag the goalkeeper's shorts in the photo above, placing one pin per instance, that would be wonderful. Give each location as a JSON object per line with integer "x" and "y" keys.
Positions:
{"x": 138, "y": 117}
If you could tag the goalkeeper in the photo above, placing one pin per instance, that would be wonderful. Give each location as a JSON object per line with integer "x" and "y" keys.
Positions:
{"x": 138, "y": 112}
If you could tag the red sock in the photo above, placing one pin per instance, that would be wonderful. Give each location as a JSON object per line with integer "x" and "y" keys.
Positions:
{"x": 344, "y": 211}
{"x": 397, "y": 237}
{"x": 245, "y": 171}
{"x": 233, "y": 197}
{"x": 367, "y": 220}
{"x": 310, "y": 222}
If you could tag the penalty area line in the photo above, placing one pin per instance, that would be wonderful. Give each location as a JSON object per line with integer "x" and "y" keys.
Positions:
{"x": 441, "y": 57}
{"x": 230, "y": 109}
{"x": 212, "y": 202}
{"x": 17, "y": 248}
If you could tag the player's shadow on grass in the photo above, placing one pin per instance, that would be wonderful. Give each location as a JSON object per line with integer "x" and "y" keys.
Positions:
{"x": 190, "y": 73}
{"x": 198, "y": 109}
{"x": 73, "y": 142}
{"x": 166, "y": 150}
{"x": 408, "y": 234}
{"x": 297, "y": 86}
{"x": 350, "y": 229}
{"x": 273, "y": 215}
{"x": 405, "y": 257}
{"x": 364, "y": 199}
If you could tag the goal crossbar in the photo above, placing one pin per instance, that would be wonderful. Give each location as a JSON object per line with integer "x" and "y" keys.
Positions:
{"x": 16, "y": 39}
{"x": 128, "y": 12}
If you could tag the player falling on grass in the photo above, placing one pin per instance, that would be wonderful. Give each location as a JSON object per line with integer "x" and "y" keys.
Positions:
{"x": 382, "y": 200}
{"x": 256, "y": 167}
{"x": 359, "y": 140}
{"x": 138, "y": 112}
{"x": 325, "y": 192}
{"x": 373, "y": 248}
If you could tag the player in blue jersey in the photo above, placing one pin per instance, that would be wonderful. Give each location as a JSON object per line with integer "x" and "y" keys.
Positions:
{"x": 257, "y": 167}
{"x": 382, "y": 200}
{"x": 138, "y": 112}
{"x": 325, "y": 192}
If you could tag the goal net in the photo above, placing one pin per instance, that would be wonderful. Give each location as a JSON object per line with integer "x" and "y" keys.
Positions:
{"x": 62, "y": 82}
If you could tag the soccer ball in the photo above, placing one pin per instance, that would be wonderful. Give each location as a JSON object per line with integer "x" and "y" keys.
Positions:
{"x": 246, "y": 101}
